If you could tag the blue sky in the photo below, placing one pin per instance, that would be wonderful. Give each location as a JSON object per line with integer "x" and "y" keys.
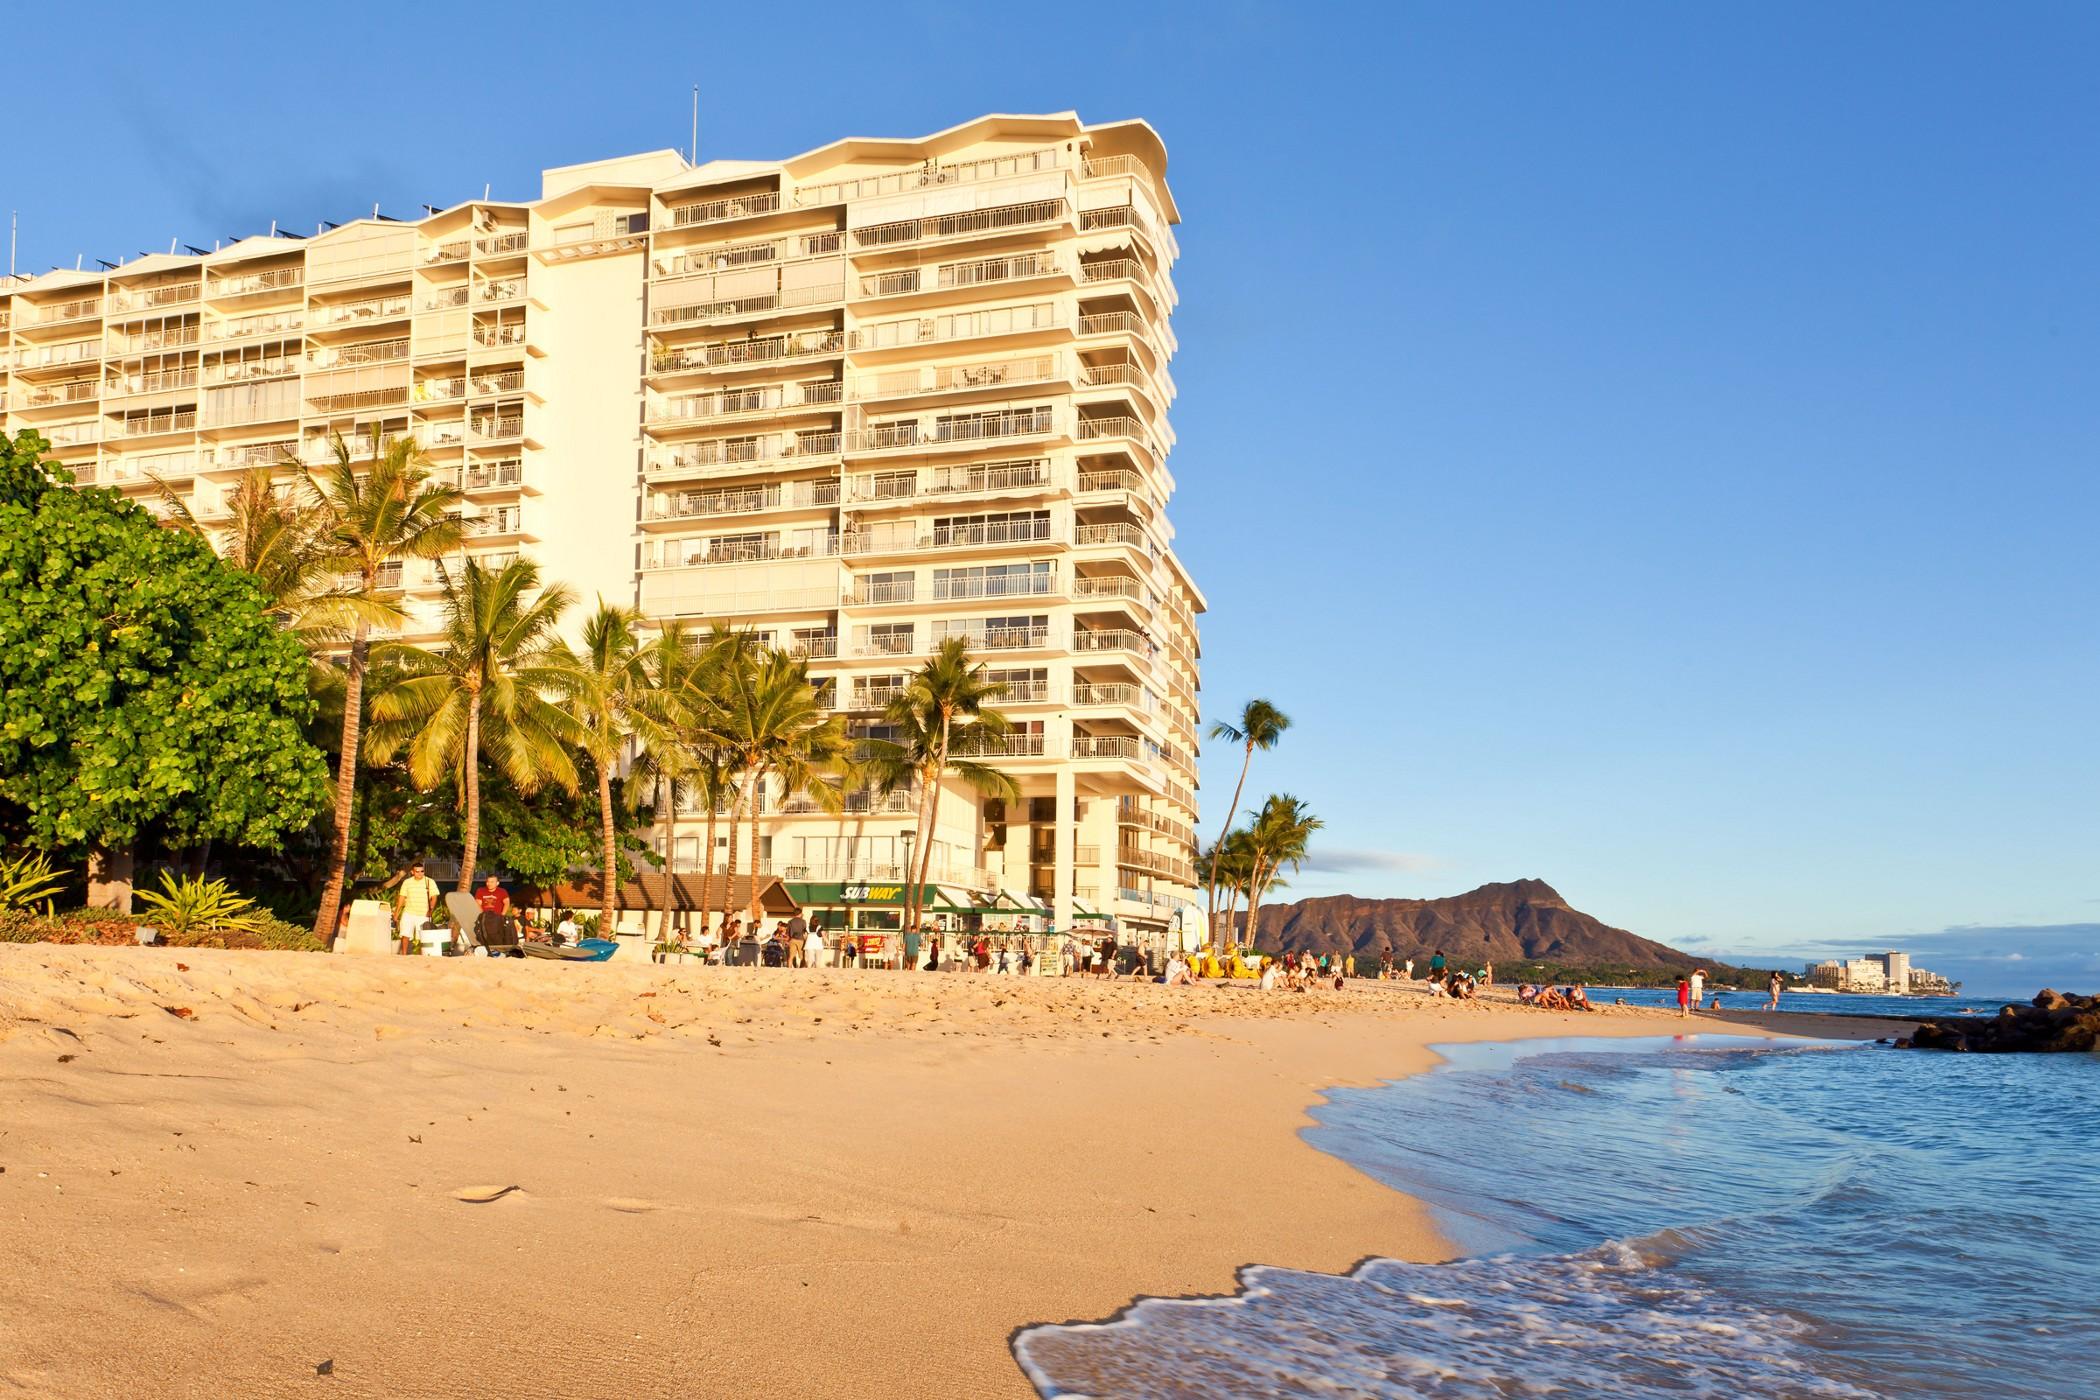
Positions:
{"x": 1647, "y": 447}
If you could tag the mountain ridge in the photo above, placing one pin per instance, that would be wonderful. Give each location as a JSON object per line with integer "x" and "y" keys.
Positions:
{"x": 1507, "y": 921}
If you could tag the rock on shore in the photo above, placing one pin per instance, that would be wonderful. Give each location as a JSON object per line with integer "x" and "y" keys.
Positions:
{"x": 2052, "y": 1022}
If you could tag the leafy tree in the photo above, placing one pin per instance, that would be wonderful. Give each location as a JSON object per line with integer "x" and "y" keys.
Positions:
{"x": 1261, "y": 726}
{"x": 1277, "y": 837}
{"x": 485, "y": 689}
{"x": 143, "y": 685}
{"x": 942, "y": 717}
{"x": 610, "y": 695}
{"x": 770, "y": 723}
{"x": 366, "y": 515}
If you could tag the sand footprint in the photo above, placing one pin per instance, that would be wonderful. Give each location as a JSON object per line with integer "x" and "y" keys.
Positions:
{"x": 632, "y": 1205}
{"x": 482, "y": 1195}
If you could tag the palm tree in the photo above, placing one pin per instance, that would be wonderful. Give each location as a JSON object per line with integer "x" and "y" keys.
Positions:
{"x": 610, "y": 695}
{"x": 668, "y": 766}
{"x": 942, "y": 719}
{"x": 770, "y": 724}
{"x": 1261, "y": 726}
{"x": 485, "y": 689}
{"x": 1232, "y": 863}
{"x": 368, "y": 514}
{"x": 1277, "y": 837}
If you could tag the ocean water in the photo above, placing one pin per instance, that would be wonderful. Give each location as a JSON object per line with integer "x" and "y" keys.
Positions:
{"x": 1821, "y": 1003}
{"x": 1707, "y": 1216}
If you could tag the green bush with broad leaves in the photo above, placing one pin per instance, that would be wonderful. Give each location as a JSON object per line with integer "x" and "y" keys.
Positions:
{"x": 194, "y": 905}
{"x": 28, "y": 880}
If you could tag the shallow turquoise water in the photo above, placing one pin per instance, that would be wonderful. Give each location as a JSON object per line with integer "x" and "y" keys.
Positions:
{"x": 1703, "y": 1215}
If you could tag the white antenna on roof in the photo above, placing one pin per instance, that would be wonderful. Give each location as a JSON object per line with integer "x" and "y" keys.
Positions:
{"x": 273, "y": 228}
{"x": 14, "y": 227}
{"x": 696, "y": 124}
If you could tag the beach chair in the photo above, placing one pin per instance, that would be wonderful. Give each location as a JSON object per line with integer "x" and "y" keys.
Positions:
{"x": 589, "y": 950}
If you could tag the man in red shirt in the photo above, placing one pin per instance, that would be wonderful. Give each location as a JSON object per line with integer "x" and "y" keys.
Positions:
{"x": 494, "y": 905}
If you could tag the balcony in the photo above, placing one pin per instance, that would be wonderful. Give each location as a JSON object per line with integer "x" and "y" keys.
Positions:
{"x": 746, "y": 500}
{"x": 1024, "y": 745}
{"x": 59, "y": 313}
{"x": 728, "y": 257}
{"x": 250, "y": 371}
{"x": 1026, "y": 474}
{"x": 256, "y": 454}
{"x": 1112, "y": 639}
{"x": 30, "y": 396}
{"x": 499, "y": 337}
{"x": 1036, "y": 583}
{"x": 957, "y": 276}
{"x": 255, "y": 284}
{"x": 802, "y": 345}
{"x": 79, "y": 352}
{"x": 286, "y": 324}
{"x": 912, "y": 434}
{"x": 371, "y": 352}
{"x": 948, "y": 379}
{"x": 491, "y": 476}
{"x": 368, "y": 311}
{"x": 761, "y": 399}
{"x": 151, "y": 343}
{"x": 140, "y": 300}
{"x": 739, "y": 454}
{"x": 975, "y": 223}
{"x": 930, "y": 175}
{"x": 510, "y": 381}
{"x": 971, "y": 325}
{"x": 690, "y": 554}
{"x": 1121, "y": 746}
{"x": 758, "y": 303}
{"x": 1094, "y": 483}
{"x": 154, "y": 424}
{"x": 447, "y": 298}
{"x": 501, "y": 245}
{"x": 1029, "y": 638}
{"x": 1090, "y": 694}
{"x": 1111, "y": 534}
{"x": 716, "y": 211}
{"x": 605, "y": 234}
{"x": 905, "y": 538}
{"x": 498, "y": 428}
{"x": 161, "y": 381}
{"x": 877, "y": 592}
{"x": 508, "y": 289}
{"x": 455, "y": 251}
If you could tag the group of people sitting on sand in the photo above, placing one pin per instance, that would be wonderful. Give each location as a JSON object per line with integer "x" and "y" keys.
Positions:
{"x": 1575, "y": 998}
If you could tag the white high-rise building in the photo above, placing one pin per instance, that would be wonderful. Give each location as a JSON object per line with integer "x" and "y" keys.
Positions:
{"x": 862, "y": 399}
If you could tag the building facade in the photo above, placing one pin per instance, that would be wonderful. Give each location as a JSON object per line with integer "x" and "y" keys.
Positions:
{"x": 861, "y": 400}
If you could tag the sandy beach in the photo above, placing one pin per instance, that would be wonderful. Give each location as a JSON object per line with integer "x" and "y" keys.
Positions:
{"x": 219, "y": 1171}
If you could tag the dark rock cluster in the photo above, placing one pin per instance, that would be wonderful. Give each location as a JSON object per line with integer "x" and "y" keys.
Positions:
{"x": 2052, "y": 1021}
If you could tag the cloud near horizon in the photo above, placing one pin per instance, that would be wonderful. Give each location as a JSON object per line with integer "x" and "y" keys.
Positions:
{"x": 1328, "y": 860}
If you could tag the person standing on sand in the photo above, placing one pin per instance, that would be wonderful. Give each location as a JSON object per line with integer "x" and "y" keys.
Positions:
{"x": 413, "y": 901}
{"x": 1698, "y": 987}
{"x": 1774, "y": 986}
{"x": 1410, "y": 969}
{"x": 1684, "y": 997}
{"x": 1436, "y": 967}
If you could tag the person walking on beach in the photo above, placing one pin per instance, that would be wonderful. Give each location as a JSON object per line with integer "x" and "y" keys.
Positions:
{"x": 413, "y": 901}
{"x": 1774, "y": 986}
{"x": 1684, "y": 997}
{"x": 1436, "y": 967}
{"x": 1409, "y": 969}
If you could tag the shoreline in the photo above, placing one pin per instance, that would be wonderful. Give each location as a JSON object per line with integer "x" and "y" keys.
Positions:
{"x": 753, "y": 1181}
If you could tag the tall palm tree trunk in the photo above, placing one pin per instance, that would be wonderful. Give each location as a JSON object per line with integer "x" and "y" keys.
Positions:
{"x": 667, "y": 797}
{"x": 736, "y": 810}
{"x": 707, "y": 862}
{"x": 758, "y": 785}
{"x": 345, "y": 786}
{"x": 932, "y": 804}
{"x": 1215, "y": 851}
{"x": 469, "y": 846}
{"x": 1254, "y": 888}
{"x": 611, "y": 867}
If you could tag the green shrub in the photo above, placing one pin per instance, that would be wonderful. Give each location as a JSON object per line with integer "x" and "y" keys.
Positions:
{"x": 195, "y": 905}
{"x": 28, "y": 880}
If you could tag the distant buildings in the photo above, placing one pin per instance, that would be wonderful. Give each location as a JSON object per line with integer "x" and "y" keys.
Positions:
{"x": 1884, "y": 973}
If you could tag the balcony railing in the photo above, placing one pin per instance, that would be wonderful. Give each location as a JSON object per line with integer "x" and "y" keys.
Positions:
{"x": 127, "y": 385}
{"x": 769, "y": 398}
{"x": 1113, "y": 479}
{"x": 284, "y": 323}
{"x": 869, "y": 592}
{"x": 499, "y": 336}
{"x": 493, "y": 429}
{"x": 509, "y": 289}
{"x": 931, "y": 175}
{"x": 953, "y": 481}
{"x": 444, "y": 298}
{"x": 484, "y": 476}
{"x": 369, "y": 309}
{"x": 498, "y": 245}
{"x": 256, "y": 454}
{"x": 687, "y": 554}
{"x": 146, "y": 298}
{"x": 373, "y": 352}
{"x": 751, "y": 305}
{"x": 880, "y": 540}
{"x": 1114, "y": 533}
{"x": 949, "y": 276}
{"x": 1090, "y": 694}
{"x": 49, "y": 356}
{"x": 1034, "y": 369}
{"x": 1107, "y": 746}
{"x": 1119, "y": 426}
{"x": 184, "y": 421}
{"x": 1024, "y": 745}
{"x": 715, "y": 211}
{"x": 1112, "y": 639}
{"x": 972, "y": 222}
{"x": 152, "y": 342}
{"x": 1108, "y": 587}
{"x": 1033, "y": 584}
{"x": 972, "y": 325}
{"x": 746, "y": 500}
{"x": 997, "y": 638}
{"x": 76, "y": 310}
{"x": 508, "y": 381}
{"x": 973, "y": 427}
{"x": 48, "y": 395}
{"x": 280, "y": 279}
{"x": 762, "y": 350}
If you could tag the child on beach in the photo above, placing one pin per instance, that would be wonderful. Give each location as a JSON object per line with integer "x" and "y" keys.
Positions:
{"x": 1684, "y": 997}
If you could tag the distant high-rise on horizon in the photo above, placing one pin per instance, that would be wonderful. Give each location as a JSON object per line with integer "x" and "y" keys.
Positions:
{"x": 876, "y": 395}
